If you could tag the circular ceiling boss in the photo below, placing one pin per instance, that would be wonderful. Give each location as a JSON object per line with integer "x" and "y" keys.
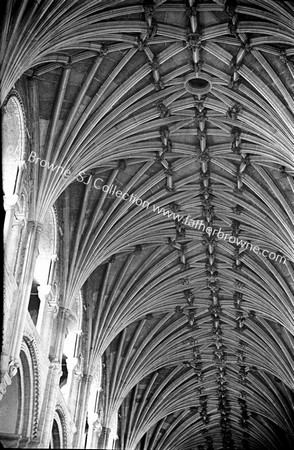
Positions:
{"x": 197, "y": 84}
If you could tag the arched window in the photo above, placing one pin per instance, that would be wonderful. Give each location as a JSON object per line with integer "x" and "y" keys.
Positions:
{"x": 58, "y": 435}
{"x": 27, "y": 392}
{"x": 13, "y": 139}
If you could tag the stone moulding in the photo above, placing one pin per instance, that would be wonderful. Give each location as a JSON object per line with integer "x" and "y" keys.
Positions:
{"x": 29, "y": 341}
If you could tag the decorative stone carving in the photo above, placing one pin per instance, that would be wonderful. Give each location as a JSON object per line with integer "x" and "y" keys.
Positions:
{"x": 13, "y": 367}
{"x": 30, "y": 342}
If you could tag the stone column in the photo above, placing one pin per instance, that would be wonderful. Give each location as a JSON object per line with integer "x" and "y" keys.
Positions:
{"x": 104, "y": 437}
{"x": 70, "y": 391}
{"x": 74, "y": 392}
{"x": 29, "y": 259}
{"x": 53, "y": 259}
{"x": 114, "y": 442}
{"x": 45, "y": 295}
{"x": 14, "y": 244}
{"x": 10, "y": 202}
{"x": 95, "y": 435}
{"x": 12, "y": 233}
{"x": 17, "y": 312}
{"x": 52, "y": 385}
{"x": 11, "y": 307}
{"x": 47, "y": 313}
{"x": 95, "y": 426}
{"x": 49, "y": 403}
{"x": 82, "y": 411}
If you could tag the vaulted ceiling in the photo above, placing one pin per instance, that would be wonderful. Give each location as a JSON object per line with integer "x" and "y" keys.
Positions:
{"x": 189, "y": 106}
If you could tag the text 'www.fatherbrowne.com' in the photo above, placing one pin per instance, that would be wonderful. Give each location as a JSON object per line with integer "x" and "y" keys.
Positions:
{"x": 135, "y": 199}
{"x": 199, "y": 225}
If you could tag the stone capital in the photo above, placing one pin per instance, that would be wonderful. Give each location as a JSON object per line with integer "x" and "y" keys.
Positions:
{"x": 51, "y": 305}
{"x": 55, "y": 366}
{"x": 97, "y": 427}
{"x": 78, "y": 372}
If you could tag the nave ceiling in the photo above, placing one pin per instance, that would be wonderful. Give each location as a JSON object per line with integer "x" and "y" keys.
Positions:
{"x": 189, "y": 106}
